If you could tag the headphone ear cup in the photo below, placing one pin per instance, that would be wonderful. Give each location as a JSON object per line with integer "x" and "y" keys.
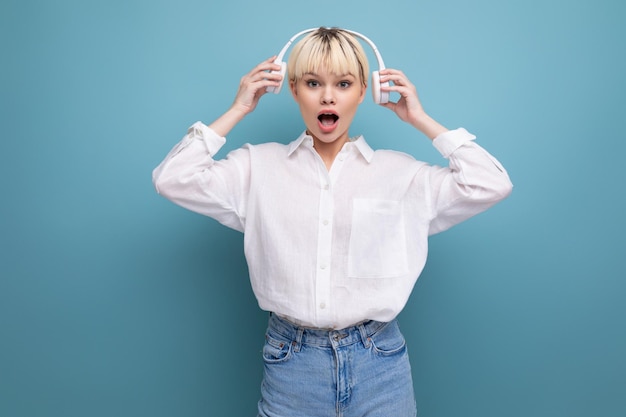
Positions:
{"x": 380, "y": 97}
{"x": 283, "y": 71}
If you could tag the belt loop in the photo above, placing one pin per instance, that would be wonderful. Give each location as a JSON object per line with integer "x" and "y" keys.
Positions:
{"x": 298, "y": 342}
{"x": 364, "y": 337}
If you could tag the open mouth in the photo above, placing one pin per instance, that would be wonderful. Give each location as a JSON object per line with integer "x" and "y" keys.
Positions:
{"x": 328, "y": 119}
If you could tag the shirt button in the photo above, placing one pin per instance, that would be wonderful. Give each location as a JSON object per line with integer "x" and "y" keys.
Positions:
{"x": 322, "y": 305}
{"x": 325, "y": 222}
{"x": 323, "y": 266}
{"x": 326, "y": 186}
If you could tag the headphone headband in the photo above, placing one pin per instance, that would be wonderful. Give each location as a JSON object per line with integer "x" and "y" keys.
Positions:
{"x": 379, "y": 58}
{"x": 380, "y": 97}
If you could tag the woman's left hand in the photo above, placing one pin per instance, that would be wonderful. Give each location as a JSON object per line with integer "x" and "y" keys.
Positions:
{"x": 408, "y": 107}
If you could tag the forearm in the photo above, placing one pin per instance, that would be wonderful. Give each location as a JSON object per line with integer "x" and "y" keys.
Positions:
{"x": 227, "y": 121}
{"x": 428, "y": 126}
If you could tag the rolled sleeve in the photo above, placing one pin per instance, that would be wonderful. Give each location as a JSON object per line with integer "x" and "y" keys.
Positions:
{"x": 212, "y": 140}
{"x": 448, "y": 142}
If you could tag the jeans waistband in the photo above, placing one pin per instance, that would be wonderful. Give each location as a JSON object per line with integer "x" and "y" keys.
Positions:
{"x": 360, "y": 332}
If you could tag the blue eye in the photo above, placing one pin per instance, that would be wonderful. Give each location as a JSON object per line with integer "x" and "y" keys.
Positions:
{"x": 345, "y": 84}
{"x": 312, "y": 83}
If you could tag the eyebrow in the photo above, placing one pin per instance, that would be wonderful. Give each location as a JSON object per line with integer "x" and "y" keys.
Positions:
{"x": 312, "y": 74}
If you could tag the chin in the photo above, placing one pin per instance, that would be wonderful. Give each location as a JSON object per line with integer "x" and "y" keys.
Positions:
{"x": 327, "y": 137}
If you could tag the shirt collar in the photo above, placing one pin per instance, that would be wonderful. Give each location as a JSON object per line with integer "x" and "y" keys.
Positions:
{"x": 358, "y": 142}
{"x": 303, "y": 138}
{"x": 363, "y": 148}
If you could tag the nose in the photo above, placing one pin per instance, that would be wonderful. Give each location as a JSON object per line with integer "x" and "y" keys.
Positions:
{"x": 328, "y": 97}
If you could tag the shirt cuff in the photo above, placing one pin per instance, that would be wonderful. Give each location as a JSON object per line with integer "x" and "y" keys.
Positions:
{"x": 450, "y": 141}
{"x": 212, "y": 140}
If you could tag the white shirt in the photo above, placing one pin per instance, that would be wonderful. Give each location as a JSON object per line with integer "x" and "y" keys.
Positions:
{"x": 329, "y": 249}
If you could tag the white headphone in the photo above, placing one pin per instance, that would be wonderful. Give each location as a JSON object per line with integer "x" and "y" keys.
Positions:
{"x": 380, "y": 97}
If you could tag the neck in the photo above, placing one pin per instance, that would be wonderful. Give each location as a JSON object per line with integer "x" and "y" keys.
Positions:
{"x": 329, "y": 150}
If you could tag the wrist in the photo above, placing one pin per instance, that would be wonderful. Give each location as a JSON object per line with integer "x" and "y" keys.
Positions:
{"x": 237, "y": 112}
{"x": 225, "y": 123}
{"x": 428, "y": 126}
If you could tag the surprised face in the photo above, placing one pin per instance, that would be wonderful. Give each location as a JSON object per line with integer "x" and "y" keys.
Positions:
{"x": 328, "y": 103}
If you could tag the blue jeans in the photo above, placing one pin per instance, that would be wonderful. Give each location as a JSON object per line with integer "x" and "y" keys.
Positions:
{"x": 355, "y": 372}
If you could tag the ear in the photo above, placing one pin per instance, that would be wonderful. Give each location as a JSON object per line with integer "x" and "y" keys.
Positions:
{"x": 293, "y": 88}
{"x": 363, "y": 90}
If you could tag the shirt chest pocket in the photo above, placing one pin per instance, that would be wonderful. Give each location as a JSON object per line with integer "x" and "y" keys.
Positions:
{"x": 377, "y": 239}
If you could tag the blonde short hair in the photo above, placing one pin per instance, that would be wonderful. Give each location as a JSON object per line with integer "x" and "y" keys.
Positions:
{"x": 333, "y": 48}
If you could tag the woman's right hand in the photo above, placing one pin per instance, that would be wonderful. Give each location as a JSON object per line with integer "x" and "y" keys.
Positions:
{"x": 253, "y": 85}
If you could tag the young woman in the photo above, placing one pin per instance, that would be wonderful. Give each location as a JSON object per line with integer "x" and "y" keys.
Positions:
{"x": 335, "y": 233}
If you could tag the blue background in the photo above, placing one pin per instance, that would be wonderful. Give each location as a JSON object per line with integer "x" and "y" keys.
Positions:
{"x": 115, "y": 302}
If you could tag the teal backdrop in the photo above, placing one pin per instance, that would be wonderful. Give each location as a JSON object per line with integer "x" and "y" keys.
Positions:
{"x": 116, "y": 303}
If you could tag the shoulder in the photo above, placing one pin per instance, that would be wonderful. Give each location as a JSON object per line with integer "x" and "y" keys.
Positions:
{"x": 266, "y": 148}
{"x": 394, "y": 157}
{"x": 397, "y": 164}
{"x": 386, "y": 159}
{"x": 264, "y": 153}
